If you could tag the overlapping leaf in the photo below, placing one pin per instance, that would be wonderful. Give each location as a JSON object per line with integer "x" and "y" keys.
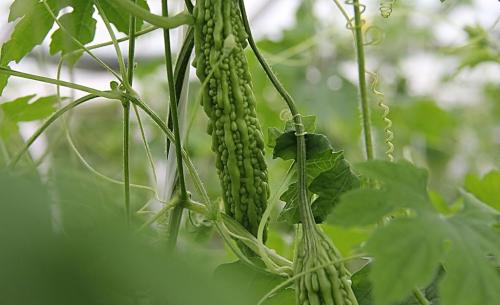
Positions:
{"x": 409, "y": 250}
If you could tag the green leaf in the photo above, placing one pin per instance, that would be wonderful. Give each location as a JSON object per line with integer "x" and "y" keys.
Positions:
{"x": 20, "y": 110}
{"x": 273, "y": 134}
{"x": 309, "y": 122}
{"x": 360, "y": 207}
{"x": 363, "y": 289}
{"x": 402, "y": 186}
{"x": 251, "y": 283}
{"x": 409, "y": 249}
{"x": 329, "y": 185}
{"x": 330, "y": 176}
{"x": 79, "y": 23}
{"x": 29, "y": 32}
{"x": 286, "y": 145}
{"x": 486, "y": 189}
{"x": 19, "y": 8}
{"x": 406, "y": 255}
{"x": 119, "y": 18}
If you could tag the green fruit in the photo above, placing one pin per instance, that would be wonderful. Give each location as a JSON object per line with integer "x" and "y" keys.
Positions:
{"x": 229, "y": 102}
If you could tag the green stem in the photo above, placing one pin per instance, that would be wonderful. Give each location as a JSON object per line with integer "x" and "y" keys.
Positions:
{"x": 422, "y": 300}
{"x": 365, "y": 108}
{"x": 119, "y": 56}
{"x": 176, "y": 215}
{"x": 160, "y": 21}
{"x": 110, "y": 43}
{"x": 126, "y": 104}
{"x": 106, "y": 94}
{"x": 126, "y": 162}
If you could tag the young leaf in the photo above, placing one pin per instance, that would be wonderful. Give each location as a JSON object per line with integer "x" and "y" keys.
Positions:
{"x": 79, "y": 23}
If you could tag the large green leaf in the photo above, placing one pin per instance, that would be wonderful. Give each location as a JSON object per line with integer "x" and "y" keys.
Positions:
{"x": 409, "y": 250}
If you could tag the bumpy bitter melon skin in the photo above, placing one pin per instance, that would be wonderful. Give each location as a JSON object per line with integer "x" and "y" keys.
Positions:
{"x": 325, "y": 283}
{"x": 229, "y": 102}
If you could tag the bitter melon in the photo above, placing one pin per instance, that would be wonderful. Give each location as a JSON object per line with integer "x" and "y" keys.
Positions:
{"x": 229, "y": 102}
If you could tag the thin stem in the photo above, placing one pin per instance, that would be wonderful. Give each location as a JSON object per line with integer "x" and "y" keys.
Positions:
{"x": 126, "y": 104}
{"x": 422, "y": 300}
{"x": 126, "y": 157}
{"x": 363, "y": 94}
{"x": 106, "y": 94}
{"x": 189, "y": 164}
{"x": 175, "y": 217}
{"x": 160, "y": 21}
{"x": 119, "y": 56}
{"x": 146, "y": 30}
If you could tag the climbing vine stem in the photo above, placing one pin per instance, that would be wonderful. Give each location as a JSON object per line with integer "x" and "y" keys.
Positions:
{"x": 176, "y": 215}
{"x": 363, "y": 93}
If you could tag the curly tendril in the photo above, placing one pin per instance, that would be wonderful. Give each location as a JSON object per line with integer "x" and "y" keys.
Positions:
{"x": 389, "y": 134}
{"x": 386, "y": 7}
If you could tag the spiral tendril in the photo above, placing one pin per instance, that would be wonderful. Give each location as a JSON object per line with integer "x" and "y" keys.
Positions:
{"x": 386, "y": 7}
{"x": 389, "y": 134}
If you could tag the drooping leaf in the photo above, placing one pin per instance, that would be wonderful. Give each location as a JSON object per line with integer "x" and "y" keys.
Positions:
{"x": 487, "y": 188}
{"x": 79, "y": 24}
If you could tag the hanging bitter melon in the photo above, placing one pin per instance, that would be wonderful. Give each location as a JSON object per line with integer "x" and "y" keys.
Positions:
{"x": 229, "y": 102}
